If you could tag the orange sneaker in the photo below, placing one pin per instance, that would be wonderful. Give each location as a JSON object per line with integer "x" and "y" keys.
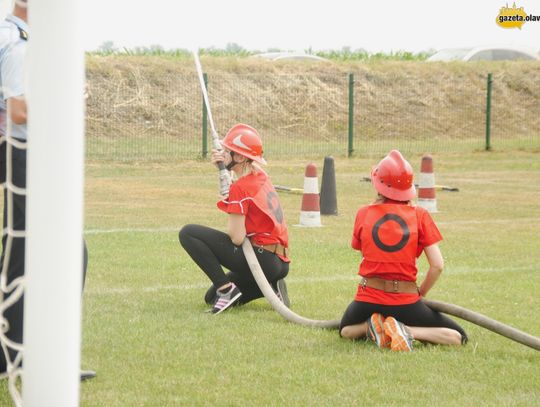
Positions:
{"x": 401, "y": 340}
{"x": 376, "y": 331}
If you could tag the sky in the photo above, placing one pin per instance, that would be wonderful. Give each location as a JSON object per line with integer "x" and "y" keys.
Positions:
{"x": 298, "y": 25}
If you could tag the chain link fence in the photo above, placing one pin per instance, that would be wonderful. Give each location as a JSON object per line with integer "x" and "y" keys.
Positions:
{"x": 134, "y": 118}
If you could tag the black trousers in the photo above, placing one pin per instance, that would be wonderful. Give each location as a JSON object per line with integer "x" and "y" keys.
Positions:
{"x": 212, "y": 250}
{"x": 15, "y": 267}
{"x": 417, "y": 314}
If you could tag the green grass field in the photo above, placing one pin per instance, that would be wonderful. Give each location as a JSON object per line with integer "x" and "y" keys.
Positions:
{"x": 147, "y": 336}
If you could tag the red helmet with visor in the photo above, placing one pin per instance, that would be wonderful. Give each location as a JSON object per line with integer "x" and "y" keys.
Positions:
{"x": 244, "y": 140}
{"x": 393, "y": 177}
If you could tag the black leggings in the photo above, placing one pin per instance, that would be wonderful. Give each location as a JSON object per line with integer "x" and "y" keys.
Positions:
{"x": 212, "y": 249}
{"x": 417, "y": 314}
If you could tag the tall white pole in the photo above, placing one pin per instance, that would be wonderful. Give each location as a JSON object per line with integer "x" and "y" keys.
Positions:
{"x": 52, "y": 324}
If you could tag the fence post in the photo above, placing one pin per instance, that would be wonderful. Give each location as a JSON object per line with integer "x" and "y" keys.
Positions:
{"x": 351, "y": 114}
{"x": 488, "y": 112}
{"x": 204, "y": 121}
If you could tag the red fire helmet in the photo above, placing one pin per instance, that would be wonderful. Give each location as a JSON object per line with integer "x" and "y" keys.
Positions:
{"x": 393, "y": 177}
{"x": 244, "y": 140}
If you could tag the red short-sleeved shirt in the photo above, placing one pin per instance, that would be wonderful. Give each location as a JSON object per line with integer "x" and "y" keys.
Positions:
{"x": 428, "y": 234}
{"x": 265, "y": 223}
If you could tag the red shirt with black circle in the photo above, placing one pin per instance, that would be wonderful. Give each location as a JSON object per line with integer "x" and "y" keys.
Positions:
{"x": 391, "y": 236}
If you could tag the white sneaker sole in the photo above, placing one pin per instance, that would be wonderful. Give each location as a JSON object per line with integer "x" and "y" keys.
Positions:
{"x": 231, "y": 302}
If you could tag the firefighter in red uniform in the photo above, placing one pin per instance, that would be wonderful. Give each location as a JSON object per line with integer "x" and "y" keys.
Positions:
{"x": 392, "y": 234}
{"x": 254, "y": 212}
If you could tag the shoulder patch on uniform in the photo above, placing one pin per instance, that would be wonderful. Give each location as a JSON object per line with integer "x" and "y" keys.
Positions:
{"x": 23, "y": 34}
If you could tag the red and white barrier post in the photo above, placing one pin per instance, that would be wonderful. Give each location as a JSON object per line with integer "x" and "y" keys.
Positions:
{"x": 426, "y": 185}
{"x": 310, "y": 213}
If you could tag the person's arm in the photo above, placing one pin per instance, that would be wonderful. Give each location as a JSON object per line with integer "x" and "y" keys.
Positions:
{"x": 16, "y": 106}
{"x": 237, "y": 228}
{"x": 436, "y": 265}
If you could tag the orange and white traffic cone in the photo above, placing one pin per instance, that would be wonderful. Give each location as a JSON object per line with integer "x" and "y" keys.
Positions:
{"x": 310, "y": 214}
{"x": 426, "y": 185}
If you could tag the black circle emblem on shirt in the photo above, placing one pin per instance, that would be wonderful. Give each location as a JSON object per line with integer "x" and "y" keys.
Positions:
{"x": 404, "y": 229}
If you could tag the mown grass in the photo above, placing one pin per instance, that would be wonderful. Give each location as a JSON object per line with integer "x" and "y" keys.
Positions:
{"x": 148, "y": 338}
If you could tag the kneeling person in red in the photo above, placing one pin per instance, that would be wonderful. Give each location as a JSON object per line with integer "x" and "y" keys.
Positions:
{"x": 391, "y": 233}
{"x": 254, "y": 212}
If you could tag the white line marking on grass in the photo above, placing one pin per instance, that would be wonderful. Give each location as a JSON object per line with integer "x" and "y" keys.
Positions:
{"x": 186, "y": 287}
{"x": 462, "y": 270}
{"x": 321, "y": 279}
{"x": 482, "y": 221}
{"x": 290, "y": 280}
{"x": 129, "y": 290}
{"x": 131, "y": 230}
{"x": 168, "y": 229}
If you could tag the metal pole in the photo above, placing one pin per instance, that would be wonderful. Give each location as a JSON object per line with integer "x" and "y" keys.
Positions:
{"x": 488, "y": 112}
{"x": 351, "y": 114}
{"x": 54, "y": 254}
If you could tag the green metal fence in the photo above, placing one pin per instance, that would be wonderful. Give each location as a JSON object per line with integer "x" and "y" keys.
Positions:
{"x": 130, "y": 118}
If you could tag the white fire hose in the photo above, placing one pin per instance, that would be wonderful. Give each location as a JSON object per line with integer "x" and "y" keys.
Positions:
{"x": 271, "y": 296}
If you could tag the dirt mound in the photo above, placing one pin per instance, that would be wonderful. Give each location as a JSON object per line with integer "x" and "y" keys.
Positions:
{"x": 146, "y": 97}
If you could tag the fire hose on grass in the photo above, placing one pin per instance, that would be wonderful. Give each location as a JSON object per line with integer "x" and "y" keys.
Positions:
{"x": 450, "y": 309}
{"x": 273, "y": 299}
{"x": 224, "y": 183}
{"x": 485, "y": 322}
{"x": 260, "y": 278}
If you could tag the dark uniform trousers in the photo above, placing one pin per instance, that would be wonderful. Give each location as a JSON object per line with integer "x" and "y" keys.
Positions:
{"x": 15, "y": 268}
